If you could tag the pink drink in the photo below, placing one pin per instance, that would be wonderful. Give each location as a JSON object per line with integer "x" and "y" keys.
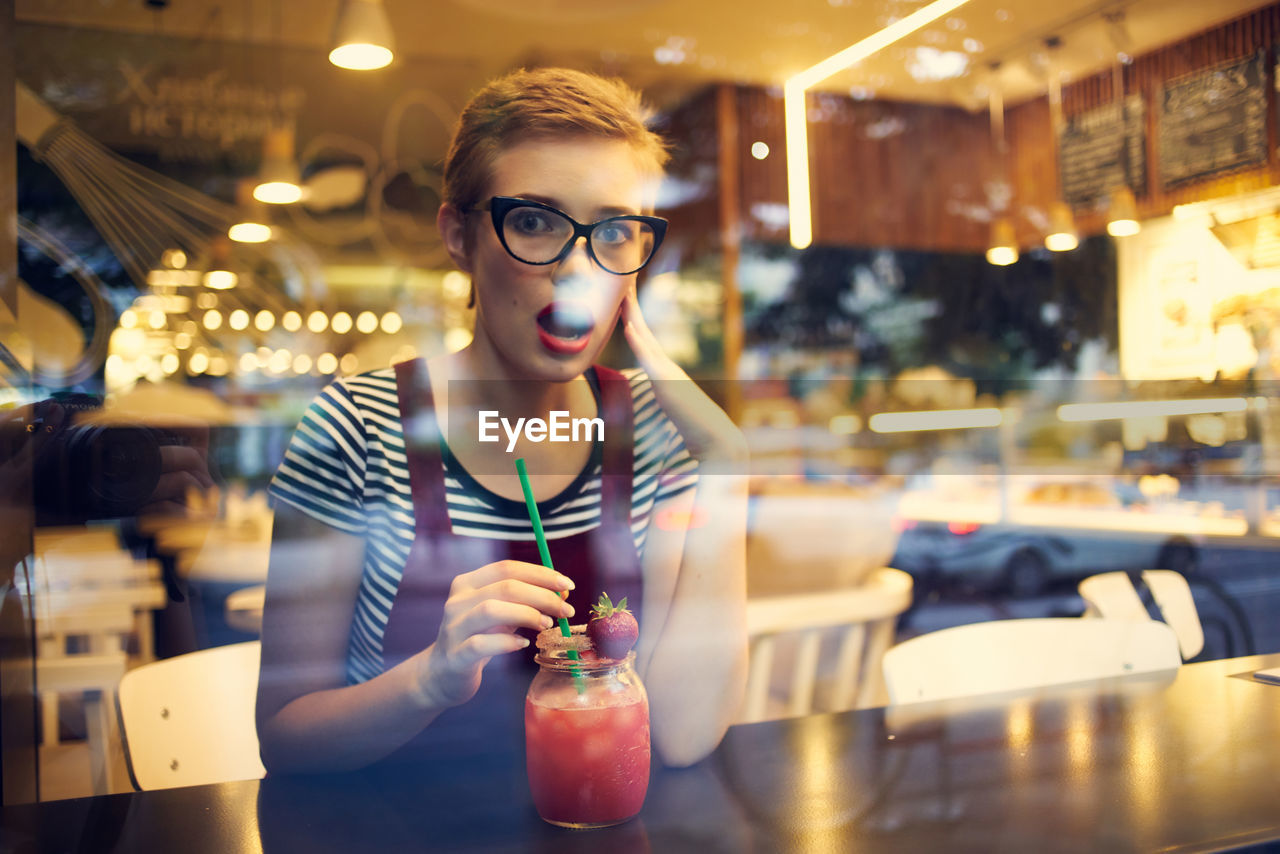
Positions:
{"x": 588, "y": 766}
{"x": 586, "y": 729}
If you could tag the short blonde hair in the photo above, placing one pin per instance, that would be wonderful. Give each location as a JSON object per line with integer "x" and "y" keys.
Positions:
{"x": 544, "y": 102}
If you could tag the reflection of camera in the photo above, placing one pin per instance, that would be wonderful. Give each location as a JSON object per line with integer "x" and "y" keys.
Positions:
{"x": 94, "y": 470}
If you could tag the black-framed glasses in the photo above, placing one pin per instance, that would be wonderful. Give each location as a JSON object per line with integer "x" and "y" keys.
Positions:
{"x": 539, "y": 234}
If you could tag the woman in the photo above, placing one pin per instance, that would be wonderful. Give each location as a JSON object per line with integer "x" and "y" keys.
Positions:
{"x": 403, "y": 568}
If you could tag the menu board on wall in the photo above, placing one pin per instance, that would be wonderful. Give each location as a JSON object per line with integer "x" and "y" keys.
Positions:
{"x": 1099, "y": 151}
{"x": 1213, "y": 121}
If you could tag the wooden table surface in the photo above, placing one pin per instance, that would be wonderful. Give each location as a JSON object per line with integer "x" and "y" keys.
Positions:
{"x": 1185, "y": 761}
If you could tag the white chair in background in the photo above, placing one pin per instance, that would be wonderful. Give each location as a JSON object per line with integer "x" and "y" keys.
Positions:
{"x": 1018, "y": 655}
{"x": 188, "y": 720}
{"x": 1113, "y": 596}
{"x": 862, "y": 618}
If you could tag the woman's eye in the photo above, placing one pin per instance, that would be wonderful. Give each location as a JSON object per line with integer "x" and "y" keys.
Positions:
{"x": 531, "y": 221}
{"x": 614, "y": 232}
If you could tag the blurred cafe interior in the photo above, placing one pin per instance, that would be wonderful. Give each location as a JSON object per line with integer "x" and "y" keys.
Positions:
{"x": 991, "y": 288}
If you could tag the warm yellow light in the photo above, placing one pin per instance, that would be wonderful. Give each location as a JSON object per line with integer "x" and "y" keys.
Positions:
{"x": 220, "y": 280}
{"x": 1124, "y": 214}
{"x": 391, "y": 323}
{"x": 212, "y": 319}
{"x": 361, "y": 57}
{"x": 1002, "y": 256}
{"x": 845, "y": 425}
{"x": 170, "y": 362}
{"x": 349, "y": 364}
{"x": 198, "y": 364}
{"x": 317, "y": 321}
{"x": 759, "y": 150}
{"x": 218, "y": 365}
{"x": 1123, "y": 227}
{"x": 291, "y": 321}
{"x": 795, "y": 119}
{"x": 182, "y": 341}
{"x": 326, "y": 363}
{"x": 301, "y": 363}
{"x": 938, "y": 419}
{"x": 366, "y": 322}
{"x": 1061, "y": 241}
{"x": 264, "y": 320}
{"x": 174, "y": 258}
{"x": 1149, "y": 408}
{"x": 248, "y": 363}
{"x": 249, "y": 232}
{"x": 341, "y": 323}
{"x": 128, "y": 319}
{"x": 797, "y": 132}
{"x": 280, "y": 361}
{"x": 277, "y": 192}
{"x": 1062, "y": 229}
{"x": 239, "y": 319}
{"x": 1003, "y": 249}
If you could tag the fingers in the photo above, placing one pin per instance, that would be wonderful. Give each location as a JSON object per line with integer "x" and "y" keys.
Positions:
{"x": 492, "y": 616}
{"x": 515, "y": 570}
{"x": 478, "y": 649}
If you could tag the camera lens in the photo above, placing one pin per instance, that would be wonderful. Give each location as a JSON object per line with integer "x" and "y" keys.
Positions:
{"x": 119, "y": 467}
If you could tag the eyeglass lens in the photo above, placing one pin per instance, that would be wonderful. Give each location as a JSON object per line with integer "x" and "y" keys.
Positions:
{"x": 538, "y": 236}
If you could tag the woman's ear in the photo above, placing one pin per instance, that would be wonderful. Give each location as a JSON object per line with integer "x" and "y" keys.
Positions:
{"x": 452, "y": 225}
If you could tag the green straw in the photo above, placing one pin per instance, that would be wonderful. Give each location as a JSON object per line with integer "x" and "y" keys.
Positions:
{"x": 545, "y": 553}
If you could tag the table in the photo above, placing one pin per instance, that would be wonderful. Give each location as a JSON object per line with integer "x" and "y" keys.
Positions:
{"x": 1186, "y": 761}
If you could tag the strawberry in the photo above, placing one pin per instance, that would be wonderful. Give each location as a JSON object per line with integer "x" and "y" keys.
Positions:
{"x": 612, "y": 628}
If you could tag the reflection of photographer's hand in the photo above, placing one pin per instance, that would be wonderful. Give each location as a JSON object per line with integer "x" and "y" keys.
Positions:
{"x": 23, "y": 437}
{"x": 182, "y": 468}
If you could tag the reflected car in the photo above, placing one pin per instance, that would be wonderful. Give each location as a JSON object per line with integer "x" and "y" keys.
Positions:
{"x": 1023, "y": 560}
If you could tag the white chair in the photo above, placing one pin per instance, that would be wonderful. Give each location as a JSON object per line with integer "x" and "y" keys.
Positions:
{"x": 1112, "y": 595}
{"x": 188, "y": 720}
{"x": 861, "y": 617}
{"x": 1019, "y": 655}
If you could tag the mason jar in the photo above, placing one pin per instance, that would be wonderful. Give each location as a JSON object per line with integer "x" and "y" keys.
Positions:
{"x": 586, "y": 729}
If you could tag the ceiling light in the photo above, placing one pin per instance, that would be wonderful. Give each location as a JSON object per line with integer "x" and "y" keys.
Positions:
{"x": 341, "y": 323}
{"x": 291, "y": 321}
{"x": 1003, "y": 249}
{"x": 796, "y": 120}
{"x": 362, "y": 36}
{"x": 1062, "y": 229}
{"x": 220, "y": 280}
{"x": 252, "y": 227}
{"x": 279, "y": 179}
{"x": 1124, "y": 214}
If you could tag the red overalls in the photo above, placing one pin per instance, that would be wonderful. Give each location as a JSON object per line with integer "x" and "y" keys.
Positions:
{"x": 603, "y": 559}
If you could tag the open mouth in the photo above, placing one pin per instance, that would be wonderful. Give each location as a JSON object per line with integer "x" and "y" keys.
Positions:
{"x": 565, "y": 327}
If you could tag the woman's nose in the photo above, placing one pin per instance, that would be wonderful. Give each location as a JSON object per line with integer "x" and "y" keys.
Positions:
{"x": 576, "y": 263}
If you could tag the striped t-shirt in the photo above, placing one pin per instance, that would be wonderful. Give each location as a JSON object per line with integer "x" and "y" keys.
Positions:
{"x": 346, "y": 466}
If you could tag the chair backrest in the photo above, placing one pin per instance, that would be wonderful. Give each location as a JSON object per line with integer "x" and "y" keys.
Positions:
{"x": 787, "y": 635}
{"x": 1018, "y": 655}
{"x": 1112, "y": 595}
{"x": 188, "y": 720}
